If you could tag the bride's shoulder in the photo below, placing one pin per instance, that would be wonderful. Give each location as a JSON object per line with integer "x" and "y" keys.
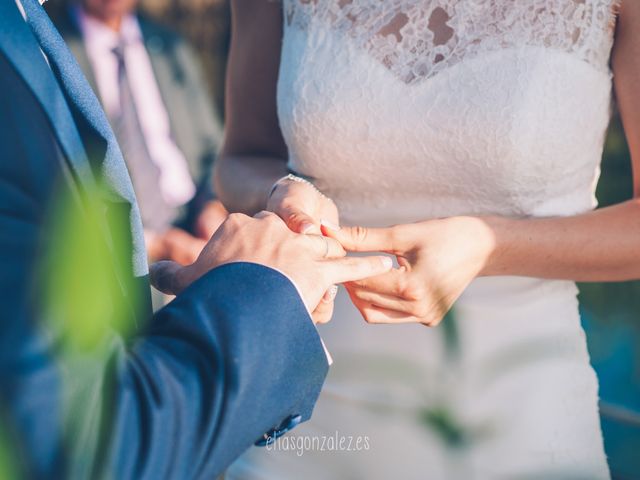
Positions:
{"x": 627, "y": 10}
{"x": 256, "y": 24}
{"x": 627, "y": 24}
{"x": 267, "y": 12}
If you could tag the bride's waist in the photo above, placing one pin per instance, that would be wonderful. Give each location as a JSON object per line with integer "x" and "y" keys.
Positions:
{"x": 514, "y": 293}
{"x": 496, "y": 321}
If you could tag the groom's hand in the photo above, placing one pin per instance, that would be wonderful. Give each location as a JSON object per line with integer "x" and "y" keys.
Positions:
{"x": 303, "y": 208}
{"x": 312, "y": 262}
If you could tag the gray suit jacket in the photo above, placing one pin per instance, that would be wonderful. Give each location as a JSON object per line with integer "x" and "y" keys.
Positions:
{"x": 195, "y": 125}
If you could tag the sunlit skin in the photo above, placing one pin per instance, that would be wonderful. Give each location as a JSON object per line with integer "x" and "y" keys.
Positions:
{"x": 438, "y": 258}
{"x": 266, "y": 240}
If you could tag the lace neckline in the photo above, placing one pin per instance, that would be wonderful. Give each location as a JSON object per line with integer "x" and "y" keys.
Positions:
{"x": 416, "y": 39}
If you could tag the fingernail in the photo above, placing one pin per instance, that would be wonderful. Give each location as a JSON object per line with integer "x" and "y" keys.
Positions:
{"x": 306, "y": 227}
{"x": 329, "y": 225}
{"x": 386, "y": 262}
{"x": 333, "y": 291}
{"x": 330, "y": 295}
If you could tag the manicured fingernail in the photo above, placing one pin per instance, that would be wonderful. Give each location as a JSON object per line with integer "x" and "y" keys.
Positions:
{"x": 329, "y": 225}
{"x": 386, "y": 262}
{"x": 306, "y": 227}
{"x": 333, "y": 291}
{"x": 330, "y": 295}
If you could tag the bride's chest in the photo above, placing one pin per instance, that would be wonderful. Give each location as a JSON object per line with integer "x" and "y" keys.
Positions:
{"x": 417, "y": 39}
{"x": 515, "y": 120}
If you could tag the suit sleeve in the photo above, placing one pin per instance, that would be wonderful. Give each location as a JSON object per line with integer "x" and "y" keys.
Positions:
{"x": 194, "y": 386}
{"x": 226, "y": 361}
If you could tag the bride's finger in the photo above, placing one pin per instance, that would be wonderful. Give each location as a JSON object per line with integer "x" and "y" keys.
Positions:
{"x": 390, "y": 302}
{"x": 396, "y": 282}
{"x": 362, "y": 239}
{"x": 377, "y": 315}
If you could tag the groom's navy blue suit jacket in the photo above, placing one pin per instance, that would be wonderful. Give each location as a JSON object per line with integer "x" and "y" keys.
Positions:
{"x": 233, "y": 357}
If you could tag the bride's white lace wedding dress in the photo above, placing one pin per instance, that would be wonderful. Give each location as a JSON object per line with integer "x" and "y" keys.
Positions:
{"x": 404, "y": 110}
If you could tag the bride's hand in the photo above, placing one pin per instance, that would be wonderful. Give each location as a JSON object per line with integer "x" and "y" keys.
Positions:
{"x": 302, "y": 206}
{"x": 437, "y": 260}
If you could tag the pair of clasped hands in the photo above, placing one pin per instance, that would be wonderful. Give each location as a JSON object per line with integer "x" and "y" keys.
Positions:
{"x": 299, "y": 236}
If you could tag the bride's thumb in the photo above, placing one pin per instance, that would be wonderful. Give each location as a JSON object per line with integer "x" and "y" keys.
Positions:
{"x": 360, "y": 239}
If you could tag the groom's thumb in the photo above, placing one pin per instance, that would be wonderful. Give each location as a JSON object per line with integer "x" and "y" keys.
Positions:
{"x": 361, "y": 239}
{"x": 163, "y": 276}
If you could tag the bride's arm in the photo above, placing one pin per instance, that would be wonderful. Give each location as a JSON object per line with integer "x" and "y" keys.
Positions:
{"x": 254, "y": 154}
{"x": 603, "y": 245}
{"x": 440, "y": 257}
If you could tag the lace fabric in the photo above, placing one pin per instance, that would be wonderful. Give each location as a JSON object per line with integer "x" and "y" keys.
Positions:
{"x": 416, "y": 39}
{"x": 406, "y": 110}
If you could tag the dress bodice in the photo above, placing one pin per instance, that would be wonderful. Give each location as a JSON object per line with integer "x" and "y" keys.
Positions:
{"x": 403, "y": 110}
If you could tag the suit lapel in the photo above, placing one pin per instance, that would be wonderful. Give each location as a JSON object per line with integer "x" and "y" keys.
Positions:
{"x": 21, "y": 49}
{"x": 18, "y": 45}
{"x": 85, "y": 103}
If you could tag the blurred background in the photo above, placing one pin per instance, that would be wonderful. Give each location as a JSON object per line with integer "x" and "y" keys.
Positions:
{"x": 206, "y": 24}
{"x": 611, "y": 312}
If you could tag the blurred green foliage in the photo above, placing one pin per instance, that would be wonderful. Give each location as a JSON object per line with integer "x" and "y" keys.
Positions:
{"x": 85, "y": 284}
{"x": 84, "y": 297}
{"x": 8, "y": 466}
{"x": 90, "y": 303}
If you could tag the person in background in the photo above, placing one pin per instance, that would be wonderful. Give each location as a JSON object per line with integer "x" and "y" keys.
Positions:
{"x": 149, "y": 81}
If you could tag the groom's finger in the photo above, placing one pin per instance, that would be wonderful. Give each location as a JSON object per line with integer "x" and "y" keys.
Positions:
{"x": 323, "y": 247}
{"x": 362, "y": 239}
{"x": 349, "y": 269}
{"x": 324, "y": 310}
